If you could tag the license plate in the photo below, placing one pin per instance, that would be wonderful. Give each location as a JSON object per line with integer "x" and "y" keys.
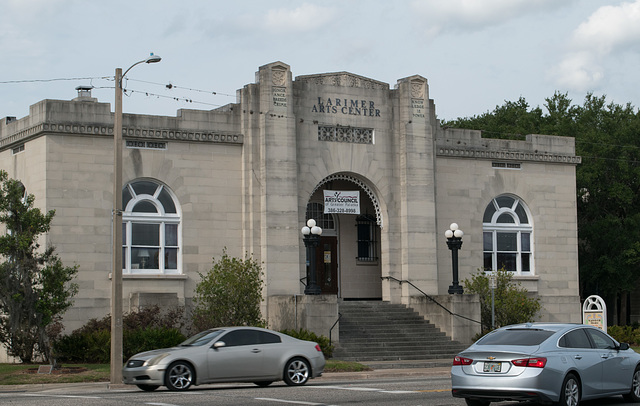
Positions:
{"x": 492, "y": 367}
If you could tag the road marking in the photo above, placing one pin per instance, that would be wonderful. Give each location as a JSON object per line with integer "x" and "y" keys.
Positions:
{"x": 295, "y": 402}
{"x": 160, "y": 404}
{"x": 434, "y": 390}
{"x": 363, "y": 389}
{"x": 61, "y": 396}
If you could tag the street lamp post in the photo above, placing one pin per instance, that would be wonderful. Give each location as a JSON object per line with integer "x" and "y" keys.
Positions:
{"x": 311, "y": 236}
{"x": 116, "y": 218}
{"x": 454, "y": 242}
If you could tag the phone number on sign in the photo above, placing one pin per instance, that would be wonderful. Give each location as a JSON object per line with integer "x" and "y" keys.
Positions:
{"x": 341, "y": 211}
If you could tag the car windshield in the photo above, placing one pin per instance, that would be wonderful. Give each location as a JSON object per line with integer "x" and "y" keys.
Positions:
{"x": 201, "y": 338}
{"x": 516, "y": 336}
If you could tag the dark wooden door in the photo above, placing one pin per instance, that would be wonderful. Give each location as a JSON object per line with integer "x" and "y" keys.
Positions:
{"x": 327, "y": 264}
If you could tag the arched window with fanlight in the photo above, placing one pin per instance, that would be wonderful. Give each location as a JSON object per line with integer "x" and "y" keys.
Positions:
{"x": 150, "y": 229}
{"x": 507, "y": 236}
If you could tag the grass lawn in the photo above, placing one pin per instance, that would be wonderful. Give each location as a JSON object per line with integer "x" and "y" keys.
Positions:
{"x": 21, "y": 374}
{"x": 24, "y": 374}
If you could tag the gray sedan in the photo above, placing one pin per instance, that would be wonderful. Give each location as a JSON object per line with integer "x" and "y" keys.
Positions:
{"x": 233, "y": 354}
{"x": 545, "y": 362}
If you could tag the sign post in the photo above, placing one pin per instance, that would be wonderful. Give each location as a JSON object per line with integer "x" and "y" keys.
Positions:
{"x": 594, "y": 312}
{"x": 493, "y": 284}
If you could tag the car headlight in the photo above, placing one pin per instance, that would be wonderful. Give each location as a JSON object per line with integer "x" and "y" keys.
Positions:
{"x": 156, "y": 360}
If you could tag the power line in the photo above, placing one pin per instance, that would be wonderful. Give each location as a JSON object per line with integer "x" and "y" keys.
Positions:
{"x": 52, "y": 80}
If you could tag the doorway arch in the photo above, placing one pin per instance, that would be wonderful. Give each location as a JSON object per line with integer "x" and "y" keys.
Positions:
{"x": 348, "y": 259}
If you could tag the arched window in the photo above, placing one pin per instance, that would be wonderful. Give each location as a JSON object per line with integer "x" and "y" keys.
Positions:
{"x": 507, "y": 232}
{"x": 324, "y": 220}
{"x": 150, "y": 229}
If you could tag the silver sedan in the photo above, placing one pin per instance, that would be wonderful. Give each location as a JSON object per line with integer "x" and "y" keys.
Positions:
{"x": 545, "y": 362}
{"x": 233, "y": 354}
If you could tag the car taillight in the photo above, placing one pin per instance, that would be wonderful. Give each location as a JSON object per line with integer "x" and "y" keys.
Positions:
{"x": 462, "y": 361}
{"x": 318, "y": 348}
{"x": 530, "y": 362}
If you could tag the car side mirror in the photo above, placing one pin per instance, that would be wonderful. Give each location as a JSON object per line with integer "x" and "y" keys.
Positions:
{"x": 219, "y": 344}
{"x": 623, "y": 347}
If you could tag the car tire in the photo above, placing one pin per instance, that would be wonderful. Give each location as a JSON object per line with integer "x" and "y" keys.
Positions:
{"x": 570, "y": 391}
{"x": 263, "y": 383}
{"x": 296, "y": 372}
{"x": 148, "y": 388}
{"x": 634, "y": 395}
{"x": 179, "y": 376}
{"x": 476, "y": 402}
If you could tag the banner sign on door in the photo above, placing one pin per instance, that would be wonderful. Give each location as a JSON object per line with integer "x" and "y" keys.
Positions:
{"x": 341, "y": 202}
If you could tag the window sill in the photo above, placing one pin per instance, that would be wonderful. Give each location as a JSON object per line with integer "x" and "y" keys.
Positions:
{"x": 152, "y": 276}
{"x": 526, "y": 277}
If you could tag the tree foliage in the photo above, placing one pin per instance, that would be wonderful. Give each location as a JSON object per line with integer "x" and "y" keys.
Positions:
{"x": 607, "y": 137}
{"x": 230, "y": 294}
{"x": 35, "y": 287}
{"x": 512, "y": 303}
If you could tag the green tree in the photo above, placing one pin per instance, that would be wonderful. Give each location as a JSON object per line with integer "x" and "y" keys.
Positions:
{"x": 607, "y": 137}
{"x": 512, "y": 303}
{"x": 229, "y": 294}
{"x": 35, "y": 287}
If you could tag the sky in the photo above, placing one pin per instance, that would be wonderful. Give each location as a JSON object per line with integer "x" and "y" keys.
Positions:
{"x": 475, "y": 54}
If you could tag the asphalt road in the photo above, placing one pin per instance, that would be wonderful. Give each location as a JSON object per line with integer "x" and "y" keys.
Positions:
{"x": 418, "y": 387}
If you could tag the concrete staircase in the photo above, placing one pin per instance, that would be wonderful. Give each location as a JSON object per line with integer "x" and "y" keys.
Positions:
{"x": 385, "y": 335}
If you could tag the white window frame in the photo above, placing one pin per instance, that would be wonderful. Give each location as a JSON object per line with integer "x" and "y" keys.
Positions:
{"x": 516, "y": 227}
{"x": 161, "y": 218}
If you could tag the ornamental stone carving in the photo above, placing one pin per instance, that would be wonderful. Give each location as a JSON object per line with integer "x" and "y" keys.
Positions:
{"x": 342, "y": 79}
{"x": 279, "y": 77}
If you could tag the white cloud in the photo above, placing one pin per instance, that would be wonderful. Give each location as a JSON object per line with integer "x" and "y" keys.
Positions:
{"x": 472, "y": 15}
{"x": 609, "y": 30}
{"x": 307, "y": 17}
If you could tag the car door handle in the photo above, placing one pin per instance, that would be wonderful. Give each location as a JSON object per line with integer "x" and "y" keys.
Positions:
{"x": 605, "y": 356}
{"x": 255, "y": 350}
{"x": 578, "y": 356}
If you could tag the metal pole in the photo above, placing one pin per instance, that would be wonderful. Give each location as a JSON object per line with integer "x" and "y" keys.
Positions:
{"x": 454, "y": 244}
{"x": 311, "y": 241}
{"x": 493, "y": 309}
{"x": 116, "y": 219}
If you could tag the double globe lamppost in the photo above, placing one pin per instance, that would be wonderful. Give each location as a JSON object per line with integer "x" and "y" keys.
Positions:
{"x": 454, "y": 242}
{"x": 311, "y": 237}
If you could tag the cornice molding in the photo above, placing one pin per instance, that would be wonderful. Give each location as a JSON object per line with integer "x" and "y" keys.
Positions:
{"x": 521, "y": 156}
{"x": 127, "y": 132}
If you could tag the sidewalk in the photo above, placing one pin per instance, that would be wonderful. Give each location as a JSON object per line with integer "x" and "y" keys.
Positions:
{"x": 69, "y": 388}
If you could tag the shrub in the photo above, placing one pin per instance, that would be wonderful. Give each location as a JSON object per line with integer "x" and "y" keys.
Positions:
{"x": 322, "y": 341}
{"x": 625, "y": 334}
{"x": 511, "y": 301}
{"x": 229, "y": 294}
{"x": 143, "y": 330}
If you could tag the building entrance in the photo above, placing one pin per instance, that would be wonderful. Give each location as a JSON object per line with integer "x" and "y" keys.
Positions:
{"x": 327, "y": 265}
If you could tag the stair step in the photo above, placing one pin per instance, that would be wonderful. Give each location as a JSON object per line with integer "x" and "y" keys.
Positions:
{"x": 385, "y": 332}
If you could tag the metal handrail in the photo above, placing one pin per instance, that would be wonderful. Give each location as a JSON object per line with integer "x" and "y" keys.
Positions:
{"x": 334, "y": 324}
{"x": 301, "y": 281}
{"x": 429, "y": 297}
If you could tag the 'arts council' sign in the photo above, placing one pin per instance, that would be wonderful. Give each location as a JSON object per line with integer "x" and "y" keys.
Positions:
{"x": 341, "y": 202}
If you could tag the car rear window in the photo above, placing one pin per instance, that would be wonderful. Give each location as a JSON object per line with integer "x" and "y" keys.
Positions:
{"x": 516, "y": 336}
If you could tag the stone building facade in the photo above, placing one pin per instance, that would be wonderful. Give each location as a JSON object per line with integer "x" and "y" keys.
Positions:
{"x": 246, "y": 177}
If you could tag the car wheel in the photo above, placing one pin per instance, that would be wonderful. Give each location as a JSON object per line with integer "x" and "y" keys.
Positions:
{"x": 634, "y": 395}
{"x": 476, "y": 402}
{"x": 179, "y": 376}
{"x": 148, "y": 388}
{"x": 263, "y": 383}
{"x": 296, "y": 372}
{"x": 570, "y": 392}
